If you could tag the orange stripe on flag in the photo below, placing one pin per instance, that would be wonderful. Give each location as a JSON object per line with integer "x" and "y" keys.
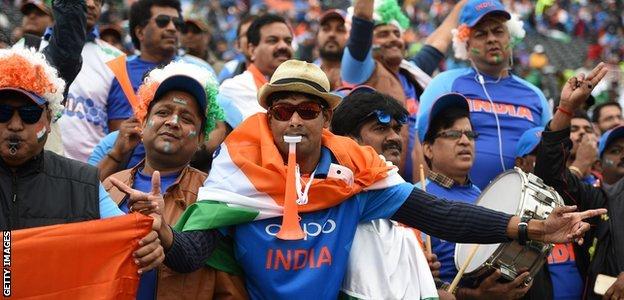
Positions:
{"x": 86, "y": 260}
{"x": 253, "y": 151}
{"x": 258, "y": 77}
{"x": 118, "y": 66}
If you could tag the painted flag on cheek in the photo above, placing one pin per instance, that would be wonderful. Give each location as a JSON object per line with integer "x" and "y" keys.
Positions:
{"x": 84, "y": 260}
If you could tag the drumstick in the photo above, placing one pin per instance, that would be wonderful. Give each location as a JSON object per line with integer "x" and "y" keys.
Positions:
{"x": 459, "y": 275}
{"x": 424, "y": 188}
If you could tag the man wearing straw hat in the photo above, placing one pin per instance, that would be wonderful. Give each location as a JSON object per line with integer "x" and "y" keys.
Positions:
{"x": 296, "y": 244}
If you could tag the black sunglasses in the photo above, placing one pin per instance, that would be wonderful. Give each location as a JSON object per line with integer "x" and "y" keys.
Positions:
{"x": 163, "y": 20}
{"x": 457, "y": 134}
{"x": 29, "y": 114}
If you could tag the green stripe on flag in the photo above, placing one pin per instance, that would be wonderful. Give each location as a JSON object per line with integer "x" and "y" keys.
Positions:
{"x": 204, "y": 215}
{"x": 212, "y": 214}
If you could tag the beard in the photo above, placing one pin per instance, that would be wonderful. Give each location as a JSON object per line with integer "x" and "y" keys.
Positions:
{"x": 331, "y": 55}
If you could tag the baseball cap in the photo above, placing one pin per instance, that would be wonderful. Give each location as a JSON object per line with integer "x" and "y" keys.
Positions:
{"x": 609, "y": 137}
{"x": 528, "y": 141}
{"x": 32, "y": 96}
{"x": 443, "y": 102}
{"x": 333, "y": 13}
{"x": 475, "y": 10}
{"x": 183, "y": 83}
{"x": 40, "y": 5}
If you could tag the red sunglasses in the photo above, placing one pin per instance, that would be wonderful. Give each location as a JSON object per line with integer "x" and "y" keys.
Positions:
{"x": 306, "y": 110}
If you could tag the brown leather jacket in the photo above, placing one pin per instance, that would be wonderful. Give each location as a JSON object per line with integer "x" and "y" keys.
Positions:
{"x": 206, "y": 283}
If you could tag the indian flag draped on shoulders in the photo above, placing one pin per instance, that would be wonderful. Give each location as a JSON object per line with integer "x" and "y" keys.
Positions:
{"x": 247, "y": 182}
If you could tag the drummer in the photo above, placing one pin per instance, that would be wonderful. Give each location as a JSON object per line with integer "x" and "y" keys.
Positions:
{"x": 560, "y": 276}
{"x": 449, "y": 150}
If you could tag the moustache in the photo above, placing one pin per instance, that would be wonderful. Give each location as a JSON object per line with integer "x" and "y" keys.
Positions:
{"x": 281, "y": 52}
{"x": 392, "y": 145}
{"x": 331, "y": 42}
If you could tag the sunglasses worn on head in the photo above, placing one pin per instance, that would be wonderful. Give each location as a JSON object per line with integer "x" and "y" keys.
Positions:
{"x": 385, "y": 118}
{"x": 457, "y": 134}
{"x": 305, "y": 110}
{"x": 29, "y": 114}
{"x": 163, "y": 20}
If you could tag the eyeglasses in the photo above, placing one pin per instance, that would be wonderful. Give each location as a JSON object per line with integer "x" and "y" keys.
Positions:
{"x": 163, "y": 20}
{"x": 457, "y": 134}
{"x": 306, "y": 110}
{"x": 29, "y": 114}
{"x": 385, "y": 118}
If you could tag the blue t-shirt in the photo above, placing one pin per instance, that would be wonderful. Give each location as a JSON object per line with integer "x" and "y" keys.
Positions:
{"x": 315, "y": 266}
{"x": 518, "y": 104}
{"x": 108, "y": 208}
{"x": 143, "y": 183}
{"x": 118, "y": 106}
{"x": 106, "y": 145}
{"x": 446, "y": 250}
{"x": 564, "y": 274}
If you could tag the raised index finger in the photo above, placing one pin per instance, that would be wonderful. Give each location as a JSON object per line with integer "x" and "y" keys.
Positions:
{"x": 156, "y": 183}
{"x": 592, "y": 213}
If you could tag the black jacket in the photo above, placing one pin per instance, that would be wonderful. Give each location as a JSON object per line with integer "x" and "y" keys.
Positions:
{"x": 606, "y": 237}
{"x": 49, "y": 189}
{"x": 66, "y": 41}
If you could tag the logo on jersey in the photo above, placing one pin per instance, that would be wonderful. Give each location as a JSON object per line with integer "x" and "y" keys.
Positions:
{"x": 562, "y": 253}
{"x": 516, "y": 111}
{"x": 310, "y": 228}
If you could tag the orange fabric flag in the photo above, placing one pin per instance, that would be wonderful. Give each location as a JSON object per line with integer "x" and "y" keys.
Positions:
{"x": 86, "y": 260}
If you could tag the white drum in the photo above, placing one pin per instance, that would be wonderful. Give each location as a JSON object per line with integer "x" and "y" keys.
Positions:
{"x": 521, "y": 194}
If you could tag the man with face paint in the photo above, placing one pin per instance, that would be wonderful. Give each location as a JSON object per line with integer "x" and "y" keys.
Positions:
{"x": 374, "y": 56}
{"x": 502, "y": 105}
{"x": 604, "y": 247}
{"x": 39, "y": 187}
{"x": 178, "y": 111}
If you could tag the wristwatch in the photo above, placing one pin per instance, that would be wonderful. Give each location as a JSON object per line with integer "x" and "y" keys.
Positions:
{"x": 523, "y": 230}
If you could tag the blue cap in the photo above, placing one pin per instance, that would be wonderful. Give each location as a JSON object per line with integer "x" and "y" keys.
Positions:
{"x": 440, "y": 104}
{"x": 475, "y": 10}
{"x": 34, "y": 97}
{"x": 528, "y": 141}
{"x": 186, "y": 84}
{"x": 609, "y": 137}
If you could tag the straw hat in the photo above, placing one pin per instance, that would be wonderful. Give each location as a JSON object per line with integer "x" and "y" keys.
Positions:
{"x": 298, "y": 76}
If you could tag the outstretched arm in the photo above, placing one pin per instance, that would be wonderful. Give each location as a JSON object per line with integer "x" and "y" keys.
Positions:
{"x": 465, "y": 223}
{"x": 441, "y": 37}
{"x": 357, "y": 62}
{"x": 68, "y": 38}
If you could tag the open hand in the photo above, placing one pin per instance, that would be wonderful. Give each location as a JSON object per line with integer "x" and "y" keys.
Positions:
{"x": 564, "y": 224}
